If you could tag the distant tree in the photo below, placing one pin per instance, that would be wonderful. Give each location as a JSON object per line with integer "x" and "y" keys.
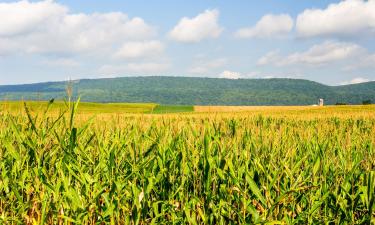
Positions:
{"x": 366, "y": 102}
{"x": 193, "y": 91}
{"x": 341, "y": 103}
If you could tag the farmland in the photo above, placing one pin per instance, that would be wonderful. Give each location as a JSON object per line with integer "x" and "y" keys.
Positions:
{"x": 70, "y": 163}
{"x": 195, "y": 91}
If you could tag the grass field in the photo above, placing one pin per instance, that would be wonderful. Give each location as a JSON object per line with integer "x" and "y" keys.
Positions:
{"x": 262, "y": 165}
{"x": 96, "y": 108}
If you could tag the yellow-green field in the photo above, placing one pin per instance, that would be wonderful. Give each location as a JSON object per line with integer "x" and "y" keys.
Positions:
{"x": 122, "y": 164}
{"x": 115, "y": 109}
{"x": 85, "y": 108}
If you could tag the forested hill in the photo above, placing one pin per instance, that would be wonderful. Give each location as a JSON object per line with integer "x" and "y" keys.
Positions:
{"x": 196, "y": 91}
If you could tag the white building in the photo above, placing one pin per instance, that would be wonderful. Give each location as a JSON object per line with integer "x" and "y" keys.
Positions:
{"x": 321, "y": 102}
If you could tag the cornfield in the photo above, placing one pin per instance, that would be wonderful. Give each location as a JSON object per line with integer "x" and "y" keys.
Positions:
{"x": 197, "y": 168}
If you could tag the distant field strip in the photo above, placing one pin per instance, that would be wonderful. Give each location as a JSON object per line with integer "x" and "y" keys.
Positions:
{"x": 113, "y": 109}
{"x": 85, "y": 108}
{"x": 173, "y": 109}
{"x": 302, "y": 111}
{"x": 246, "y": 108}
{"x": 96, "y": 108}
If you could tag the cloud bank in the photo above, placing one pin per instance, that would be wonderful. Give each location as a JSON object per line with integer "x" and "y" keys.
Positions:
{"x": 319, "y": 54}
{"x": 47, "y": 27}
{"x": 203, "y": 26}
{"x": 346, "y": 18}
{"x": 269, "y": 26}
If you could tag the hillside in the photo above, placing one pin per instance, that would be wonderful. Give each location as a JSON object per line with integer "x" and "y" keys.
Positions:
{"x": 196, "y": 91}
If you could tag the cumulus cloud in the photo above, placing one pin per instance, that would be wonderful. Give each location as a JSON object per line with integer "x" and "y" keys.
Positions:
{"x": 356, "y": 80}
{"x": 230, "y": 75}
{"x": 23, "y": 17}
{"x": 346, "y": 18}
{"x": 269, "y": 26}
{"x": 270, "y": 58}
{"x": 203, "y": 26}
{"x": 204, "y": 67}
{"x": 47, "y": 27}
{"x": 320, "y": 54}
{"x": 140, "y": 49}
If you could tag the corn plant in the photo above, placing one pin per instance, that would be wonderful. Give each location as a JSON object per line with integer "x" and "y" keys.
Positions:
{"x": 185, "y": 169}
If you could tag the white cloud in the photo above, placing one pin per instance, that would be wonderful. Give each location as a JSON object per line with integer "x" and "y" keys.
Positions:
{"x": 346, "y": 18}
{"x": 230, "y": 75}
{"x": 269, "y": 26}
{"x": 356, "y": 80}
{"x": 203, "y": 26}
{"x": 270, "y": 58}
{"x": 47, "y": 27}
{"x": 140, "y": 49}
{"x": 317, "y": 55}
{"x": 204, "y": 67}
{"x": 22, "y": 17}
{"x": 324, "y": 53}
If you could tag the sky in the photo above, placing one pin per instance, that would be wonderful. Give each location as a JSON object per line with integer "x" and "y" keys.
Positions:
{"x": 331, "y": 42}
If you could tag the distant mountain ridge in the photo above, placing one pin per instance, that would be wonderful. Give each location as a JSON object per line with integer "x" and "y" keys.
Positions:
{"x": 195, "y": 91}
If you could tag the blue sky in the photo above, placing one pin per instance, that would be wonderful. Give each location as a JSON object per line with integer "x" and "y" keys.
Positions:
{"x": 326, "y": 41}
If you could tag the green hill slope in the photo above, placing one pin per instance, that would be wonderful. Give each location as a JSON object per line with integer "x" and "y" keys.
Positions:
{"x": 196, "y": 91}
